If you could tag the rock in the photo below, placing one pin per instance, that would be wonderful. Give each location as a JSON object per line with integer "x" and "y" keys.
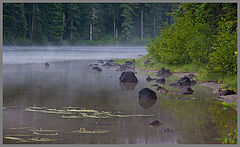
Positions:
{"x": 97, "y": 69}
{"x": 129, "y": 86}
{"x": 190, "y": 76}
{"x": 128, "y": 76}
{"x": 146, "y": 62}
{"x": 225, "y": 92}
{"x": 147, "y": 93}
{"x": 166, "y": 130}
{"x": 162, "y": 90}
{"x": 193, "y": 82}
{"x": 100, "y": 61}
{"x": 160, "y": 81}
{"x": 46, "y": 65}
{"x": 127, "y": 66}
{"x": 149, "y": 79}
{"x": 188, "y": 91}
{"x": 184, "y": 81}
{"x": 163, "y": 73}
{"x": 153, "y": 122}
{"x": 154, "y": 84}
{"x": 109, "y": 63}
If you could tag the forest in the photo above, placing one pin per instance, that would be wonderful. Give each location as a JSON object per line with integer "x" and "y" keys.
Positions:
{"x": 84, "y": 23}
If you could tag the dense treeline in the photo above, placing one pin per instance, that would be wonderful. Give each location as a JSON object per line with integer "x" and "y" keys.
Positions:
{"x": 202, "y": 34}
{"x": 82, "y": 23}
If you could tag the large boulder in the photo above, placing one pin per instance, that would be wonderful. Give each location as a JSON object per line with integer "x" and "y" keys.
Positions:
{"x": 163, "y": 73}
{"x": 128, "y": 76}
{"x": 147, "y": 93}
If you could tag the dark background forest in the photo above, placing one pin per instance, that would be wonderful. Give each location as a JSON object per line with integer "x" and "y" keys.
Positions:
{"x": 84, "y": 23}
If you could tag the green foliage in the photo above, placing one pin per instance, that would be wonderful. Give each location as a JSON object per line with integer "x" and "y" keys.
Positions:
{"x": 223, "y": 60}
{"x": 203, "y": 34}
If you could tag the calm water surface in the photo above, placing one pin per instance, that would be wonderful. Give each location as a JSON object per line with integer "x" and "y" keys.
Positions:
{"x": 69, "y": 81}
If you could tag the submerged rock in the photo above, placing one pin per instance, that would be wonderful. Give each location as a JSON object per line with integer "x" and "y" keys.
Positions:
{"x": 162, "y": 90}
{"x": 97, "y": 69}
{"x": 153, "y": 123}
{"x": 46, "y": 65}
{"x": 100, "y": 61}
{"x": 154, "y": 84}
{"x": 128, "y": 76}
{"x": 163, "y": 73}
{"x": 147, "y": 93}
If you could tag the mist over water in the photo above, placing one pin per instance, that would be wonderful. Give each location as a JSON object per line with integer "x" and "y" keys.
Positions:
{"x": 42, "y": 54}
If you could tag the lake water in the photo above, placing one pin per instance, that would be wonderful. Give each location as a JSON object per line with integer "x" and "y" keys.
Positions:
{"x": 70, "y": 82}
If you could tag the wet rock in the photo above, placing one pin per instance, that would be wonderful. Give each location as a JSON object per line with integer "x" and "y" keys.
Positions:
{"x": 163, "y": 73}
{"x": 100, "y": 61}
{"x": 97, "y": 69}
{"x": 225, "y": 92}
{"x": 160, "y": 81}
{"x": 190, "y": 76}
{"x": 153, "y": 123}
{"x": 109, "y": 63}
{"x": 147, "y": 93}
{"x": 193, "y": 82}
{"x": 149, "y": 79}
{"x": 128, "y": 86}
{"x": 161, "y": 90}
{"x": 184, "y": 81}
{"x": 188, "y": 91}
{"x": 128, "y": 76}
{"x": 128, "y": 65}
{"x": 47, "y": 65}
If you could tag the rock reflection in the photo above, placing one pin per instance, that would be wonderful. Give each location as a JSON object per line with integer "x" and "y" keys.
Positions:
{"x": 146, "y": 102}
{"x": 129, "y": 86}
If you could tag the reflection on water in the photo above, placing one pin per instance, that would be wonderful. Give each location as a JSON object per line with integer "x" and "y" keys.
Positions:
{"x": 65, "y": 84}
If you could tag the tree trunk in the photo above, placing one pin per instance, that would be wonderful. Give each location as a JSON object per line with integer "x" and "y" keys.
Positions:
{"x": 90, "y": 32}
{"x": 33, "y": 17}
{"x": 71, "y": 33}
{"x": 141, "y": 24}
{"x": 64, "y": 19}
{"x": 154, "y": 24}
{"x": 114, "y": 28}
{"x": 116, "y": 33}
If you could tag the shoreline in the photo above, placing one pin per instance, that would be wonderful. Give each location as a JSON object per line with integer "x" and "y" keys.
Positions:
{"x": 211, "y": 84}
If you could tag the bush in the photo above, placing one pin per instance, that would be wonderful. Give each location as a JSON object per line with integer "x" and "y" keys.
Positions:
{"x": 224, "y": 60}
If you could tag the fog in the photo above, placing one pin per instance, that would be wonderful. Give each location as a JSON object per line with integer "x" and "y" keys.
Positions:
{"x": 41, "y": 54}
